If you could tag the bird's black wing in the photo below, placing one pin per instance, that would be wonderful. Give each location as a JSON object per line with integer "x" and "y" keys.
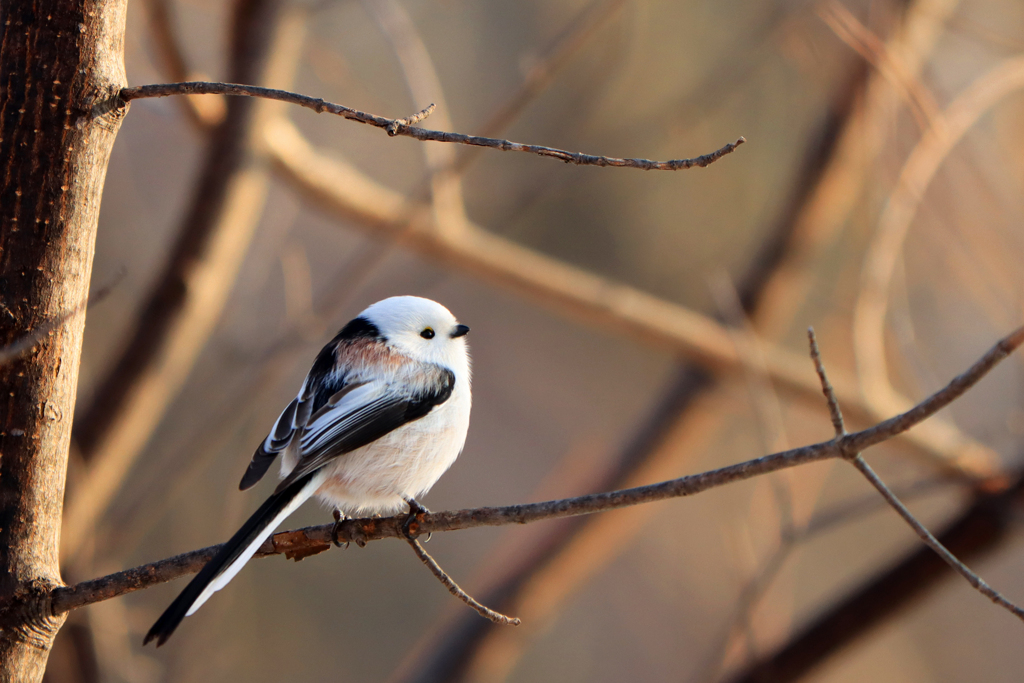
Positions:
{"x": 363, "y": 416}
{"x": 325, "y": 382}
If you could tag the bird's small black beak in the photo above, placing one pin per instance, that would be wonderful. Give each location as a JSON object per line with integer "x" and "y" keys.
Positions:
{"x": 460, "y": 331}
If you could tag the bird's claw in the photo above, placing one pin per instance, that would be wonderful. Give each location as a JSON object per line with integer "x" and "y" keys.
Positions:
{"x": 410, "y": 527}
{"x": 339, "y": 519}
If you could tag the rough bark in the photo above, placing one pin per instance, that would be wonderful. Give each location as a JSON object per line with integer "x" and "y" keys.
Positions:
{"x": 61, "y": 63}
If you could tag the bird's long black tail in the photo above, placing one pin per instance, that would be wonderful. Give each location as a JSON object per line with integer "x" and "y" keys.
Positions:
{"x": 233, "y": 555}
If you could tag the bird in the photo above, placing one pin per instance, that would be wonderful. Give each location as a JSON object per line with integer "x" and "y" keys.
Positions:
{"x": 381, "y": 415}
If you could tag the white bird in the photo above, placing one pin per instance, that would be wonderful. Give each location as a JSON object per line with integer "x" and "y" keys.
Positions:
{"x": 382, "y": 414}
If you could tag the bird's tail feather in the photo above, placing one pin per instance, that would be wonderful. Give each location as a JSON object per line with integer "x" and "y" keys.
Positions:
{"x": 233, "y": 555}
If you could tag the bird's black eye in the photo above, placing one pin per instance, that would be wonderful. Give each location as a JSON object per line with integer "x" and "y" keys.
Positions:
{"x": 427, "y": 333}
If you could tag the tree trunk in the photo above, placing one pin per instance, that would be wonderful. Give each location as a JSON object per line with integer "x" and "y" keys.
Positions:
{"x": 61, "y": 66}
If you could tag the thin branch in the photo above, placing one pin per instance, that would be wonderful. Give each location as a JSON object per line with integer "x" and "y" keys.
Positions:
{"x": 858, "y": 461}
{"x": 422, "y": 114}
{"x": 826, "y": 387}
{"x": 949, "y": 558}
{"x": 453, "y": 588}
{"x": 303, "y": 542}
{"x": 397, "y": 127}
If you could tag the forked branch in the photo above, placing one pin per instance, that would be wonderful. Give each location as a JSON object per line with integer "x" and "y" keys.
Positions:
{"x": 864, "y": 468}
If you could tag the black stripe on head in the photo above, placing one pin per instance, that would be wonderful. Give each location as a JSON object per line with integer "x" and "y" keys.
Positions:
{"x": 323, "y": 366}
{"x": 358, "y": 328}
{"x": 323, "y": 383}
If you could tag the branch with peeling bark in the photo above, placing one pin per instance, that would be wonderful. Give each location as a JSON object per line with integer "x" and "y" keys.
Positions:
{"x": 312, "y": 540}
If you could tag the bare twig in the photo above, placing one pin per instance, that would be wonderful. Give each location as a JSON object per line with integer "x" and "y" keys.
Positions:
{"x": 949, "y": 558}
{"x": 858, "y": 461}
{"x": 321, "y": 106}
{"x": 392, "y": 128}
{"x": 303, "y": 541}
{"x": 826, "y": 387}
{"x": 454, "y": 589}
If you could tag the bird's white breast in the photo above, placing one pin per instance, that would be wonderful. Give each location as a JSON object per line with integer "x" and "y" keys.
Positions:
{"x": 404, "y": 463}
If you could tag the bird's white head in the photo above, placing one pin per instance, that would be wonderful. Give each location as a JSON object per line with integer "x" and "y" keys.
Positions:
{"x": 421, "y": 329}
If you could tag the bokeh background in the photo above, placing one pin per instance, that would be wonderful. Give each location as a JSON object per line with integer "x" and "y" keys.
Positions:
{"x": 841, "y": 103}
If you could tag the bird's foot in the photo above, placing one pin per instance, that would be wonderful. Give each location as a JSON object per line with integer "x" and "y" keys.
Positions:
{"x": 410, "y": 527}
{"x": 339, "y": 519}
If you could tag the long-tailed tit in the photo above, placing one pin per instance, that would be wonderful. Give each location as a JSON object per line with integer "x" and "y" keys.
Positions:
{"x": 381, "y": 415}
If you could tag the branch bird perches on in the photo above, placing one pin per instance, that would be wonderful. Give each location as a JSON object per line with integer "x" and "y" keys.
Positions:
{"x": 311, "y": 540}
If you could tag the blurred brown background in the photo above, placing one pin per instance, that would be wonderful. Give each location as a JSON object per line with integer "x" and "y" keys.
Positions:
{"x": 833, "y": 100}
